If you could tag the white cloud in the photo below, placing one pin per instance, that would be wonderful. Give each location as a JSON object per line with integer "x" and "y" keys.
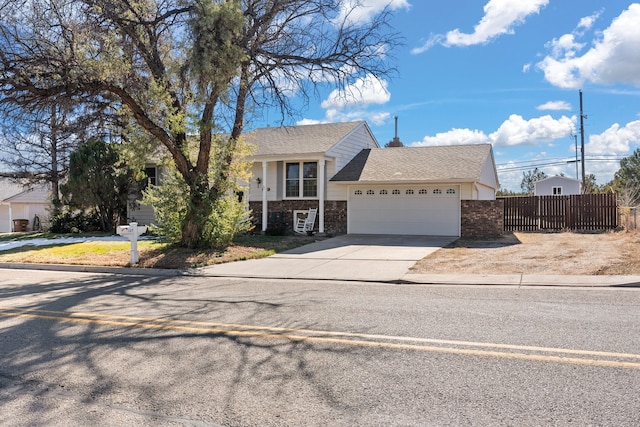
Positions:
{"x": 454, "y": 137}
{"x": 434, "y": 39}
{"x": 555, "y": 106}
{"x": 357, "y": 12}
{"x": 518, "y": 131}
{"x": 615, "y": 141}
{"x": 364, "y": 91}
{"x": 513, "y": 131}
{"x": 337, "y": 116}
{"x": 613, "y": 58}
{"x": 309, "y": 122}
{"x": 500, "y": 17}
{"x": 352, "y": 102}
{"x": 588, "y": 21}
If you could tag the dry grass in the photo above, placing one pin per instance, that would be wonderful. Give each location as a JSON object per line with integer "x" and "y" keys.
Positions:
{"x": 153, "y": 254}
{"x": 610, "y": 253}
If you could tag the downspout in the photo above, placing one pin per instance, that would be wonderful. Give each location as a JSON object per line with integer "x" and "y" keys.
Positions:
{"x": 321, "y": 195}
{"x": 264, "y": 196}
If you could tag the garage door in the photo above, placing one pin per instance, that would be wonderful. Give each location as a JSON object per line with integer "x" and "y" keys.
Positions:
{"x": 419, "y": 210}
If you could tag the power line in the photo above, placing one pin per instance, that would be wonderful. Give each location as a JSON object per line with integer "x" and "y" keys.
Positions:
{"x": 553, "y": 162}
{"x": 562, "y": 159}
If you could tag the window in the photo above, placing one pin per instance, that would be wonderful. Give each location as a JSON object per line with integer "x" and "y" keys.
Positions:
{"x": 408, "y": 192}
{"x": 395, "y": 192}
{"x": 437, "y": 191}
{"x": 358, "y": 193}
{"x": 451, "y": 191}
{"x": 371, "y": 192}
{"x": 301, "y": 179}
{"x": 151, "y": 173}
{"x": 383, "y": 191}
{"x": 423, "y": 191}
{"x": 557, "y": 191}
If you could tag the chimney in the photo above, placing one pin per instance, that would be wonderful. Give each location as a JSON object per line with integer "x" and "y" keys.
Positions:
{"x": 395, "y": 142}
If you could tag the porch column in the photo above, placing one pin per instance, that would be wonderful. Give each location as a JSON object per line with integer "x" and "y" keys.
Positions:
{"x": 265, "y": 212}
{"x": 321, "y": 195}
{"x": 11, "y": 217}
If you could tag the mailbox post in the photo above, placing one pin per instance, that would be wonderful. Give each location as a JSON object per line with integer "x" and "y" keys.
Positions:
{"x": 132, "y": 231}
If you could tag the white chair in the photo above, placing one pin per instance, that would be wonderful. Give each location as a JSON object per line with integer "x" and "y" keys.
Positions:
{"x": 305, "y": 225}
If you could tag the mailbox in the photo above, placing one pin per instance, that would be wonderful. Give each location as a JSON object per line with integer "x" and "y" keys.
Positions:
{"x": 132, "y": 231}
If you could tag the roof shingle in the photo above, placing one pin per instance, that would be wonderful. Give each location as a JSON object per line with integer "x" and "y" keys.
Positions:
{"x": 441, "y": 163}
{"x": 299, "y": 139}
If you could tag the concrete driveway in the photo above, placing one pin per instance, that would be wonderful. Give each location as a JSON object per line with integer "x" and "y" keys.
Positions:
{"x": 349, "y": 257}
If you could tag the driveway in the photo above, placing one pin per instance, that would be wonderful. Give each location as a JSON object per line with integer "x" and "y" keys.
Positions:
{"x": 349, "y": 257}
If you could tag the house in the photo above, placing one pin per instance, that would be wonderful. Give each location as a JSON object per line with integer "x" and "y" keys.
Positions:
{"x": 556, "y": 186}
{"x": 360, "y": 188}
{"x": 18, "y": 202}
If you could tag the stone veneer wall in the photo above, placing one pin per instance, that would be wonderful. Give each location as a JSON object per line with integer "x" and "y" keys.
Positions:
{"x": 482, "y": 218}
{"x": 479, "y": 218}
{"x": 335, "y": 213}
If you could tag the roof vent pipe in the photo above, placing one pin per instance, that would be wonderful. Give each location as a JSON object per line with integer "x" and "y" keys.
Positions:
{"x": 395, "y": 142}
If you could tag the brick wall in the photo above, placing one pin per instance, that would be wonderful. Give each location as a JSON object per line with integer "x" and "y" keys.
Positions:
{"x": 335, "y": 213}
{"x": 482, "y": 218}
{"x": 479, "y": 218}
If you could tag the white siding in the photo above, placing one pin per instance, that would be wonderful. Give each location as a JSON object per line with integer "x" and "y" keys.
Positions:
{"x": 255, "y": 190}
{"x": 486, "y": 193}
{"x": 347, "y": 149}
{"x": 26, "y": 211}
{"x": 545, "y": 187}
{"x": 467, "y": 191}
{"x": 488, "y": 176}
{"x": 143, "y": 216}
{"x": 5, "y": 219}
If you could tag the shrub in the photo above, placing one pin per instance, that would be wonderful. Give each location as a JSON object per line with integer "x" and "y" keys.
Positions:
{"x": 75, "y": 222}
{"x": 229, "y": 216}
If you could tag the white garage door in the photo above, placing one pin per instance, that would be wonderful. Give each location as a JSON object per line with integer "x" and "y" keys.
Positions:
{"x": 418, "y": 210}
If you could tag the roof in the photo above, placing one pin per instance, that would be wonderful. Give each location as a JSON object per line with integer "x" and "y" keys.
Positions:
{"x": 303, "y": 139}
{"x": 9, "y": 188}
{"x": 12, "y": 192}
{"x": 558, "y": 178}
{"x": 441, "y": 163}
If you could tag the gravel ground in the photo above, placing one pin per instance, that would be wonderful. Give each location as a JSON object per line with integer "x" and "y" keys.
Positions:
{"x": 610, "y": 253}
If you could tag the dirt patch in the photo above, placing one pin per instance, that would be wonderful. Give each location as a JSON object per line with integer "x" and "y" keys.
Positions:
{"x": 610, "y": 253}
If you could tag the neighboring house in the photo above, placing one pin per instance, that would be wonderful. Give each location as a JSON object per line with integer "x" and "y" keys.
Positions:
{"x": 18, "y": 202}
{"x": 360, "y": 188}
{"x": 556, "y": 186}
{"x": 137, "y": 212}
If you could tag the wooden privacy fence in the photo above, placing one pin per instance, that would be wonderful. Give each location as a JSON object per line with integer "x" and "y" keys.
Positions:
{"x": 575, "y": 212}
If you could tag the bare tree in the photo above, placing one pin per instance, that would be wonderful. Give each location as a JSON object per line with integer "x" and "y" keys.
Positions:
{"x": 184, "y": 67}
{"x": 527, "y": 185}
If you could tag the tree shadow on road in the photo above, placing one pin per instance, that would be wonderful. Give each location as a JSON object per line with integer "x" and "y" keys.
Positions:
{"x": 89, "y": 341}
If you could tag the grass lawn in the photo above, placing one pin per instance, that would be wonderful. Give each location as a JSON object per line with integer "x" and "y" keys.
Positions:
{"x": 152, "y": 253}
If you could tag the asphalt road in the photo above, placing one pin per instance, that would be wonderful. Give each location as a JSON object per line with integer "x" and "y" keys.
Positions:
{"x": 92, "y": 349}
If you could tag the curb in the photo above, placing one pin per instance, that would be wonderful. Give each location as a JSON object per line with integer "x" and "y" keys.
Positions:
{"x": 526, "y": 280}
{"x": 96, "y": 269}
{"x": 522, "y": 280}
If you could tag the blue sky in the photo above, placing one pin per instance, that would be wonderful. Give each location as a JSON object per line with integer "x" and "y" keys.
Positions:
{"x": 507, "y": 72}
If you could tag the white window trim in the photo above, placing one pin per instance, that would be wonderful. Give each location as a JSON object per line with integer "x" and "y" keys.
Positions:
{"x": 301, "y": 179}
{"x": 553, "y": 190}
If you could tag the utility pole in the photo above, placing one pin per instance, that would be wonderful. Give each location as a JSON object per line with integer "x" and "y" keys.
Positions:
{"x": 582, "y": 116}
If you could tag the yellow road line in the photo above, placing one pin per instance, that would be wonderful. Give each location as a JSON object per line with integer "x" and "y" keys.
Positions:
{"x": 329, "y": 337}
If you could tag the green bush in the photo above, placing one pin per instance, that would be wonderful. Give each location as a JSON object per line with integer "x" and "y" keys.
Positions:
{"x": 75, "y": 222}
{"x": 229, "y": 216}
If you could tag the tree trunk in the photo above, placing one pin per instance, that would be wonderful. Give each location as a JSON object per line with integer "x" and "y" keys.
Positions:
{"x": 198, "y": 213}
